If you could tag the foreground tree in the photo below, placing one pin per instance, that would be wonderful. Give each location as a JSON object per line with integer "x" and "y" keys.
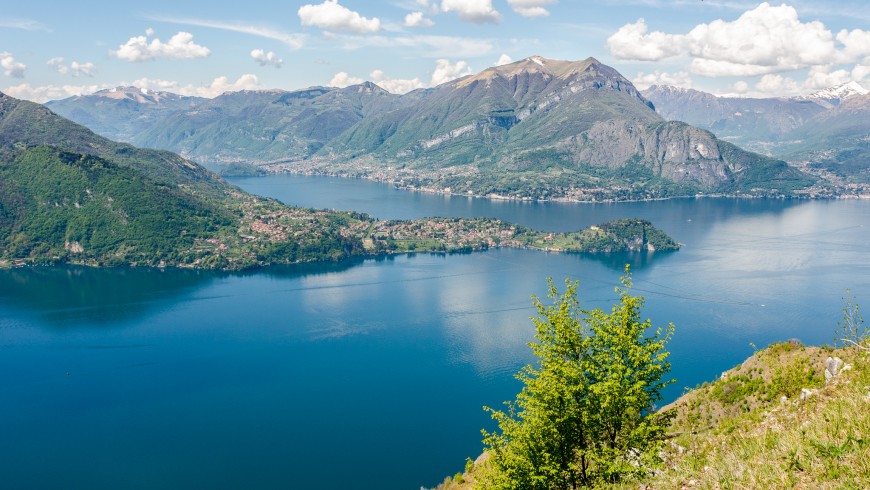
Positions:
{"x": 585, "y": 414}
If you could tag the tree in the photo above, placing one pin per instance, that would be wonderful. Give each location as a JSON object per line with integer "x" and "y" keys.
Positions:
{"x": 585, "y": 414}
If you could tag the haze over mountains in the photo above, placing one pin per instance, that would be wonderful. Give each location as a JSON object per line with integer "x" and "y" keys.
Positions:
{"x": 828, "y": 130}
{"x": 536, "y": 128}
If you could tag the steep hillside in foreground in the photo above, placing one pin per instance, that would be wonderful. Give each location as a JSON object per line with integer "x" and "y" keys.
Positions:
{"x": 68, "y": 195}
{"x": 771, "y": 422}
{"x": 548, "y": 128}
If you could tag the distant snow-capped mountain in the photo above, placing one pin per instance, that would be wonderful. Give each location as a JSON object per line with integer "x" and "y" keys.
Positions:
{"x": 832, "y": 96}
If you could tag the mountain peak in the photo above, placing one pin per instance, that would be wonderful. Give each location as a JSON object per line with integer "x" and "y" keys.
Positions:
{"x": 534, "y": 65}
{"x": 140, "y": 95}
{"x": 837, "y": 93}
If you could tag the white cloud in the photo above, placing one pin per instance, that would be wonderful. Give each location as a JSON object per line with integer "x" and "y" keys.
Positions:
{"x": 740, "y": 87}
{"x": 861, "y": 71}
{"x": 445, "y": 71}
{"x": 57, "y": 64}
{"x": 83, "y": 69}
{"x": 50, "y": 92}
{"x": 777, "y": 85}
{"x": 502, "y": 60}
{"x": 645, "y": 80}
{"x": 331, "y": 15}
{"x": 218, "y": 86}
{"x": 24, "y": 24}
{"x": 477, "y": 11}
{"x": 342, "y": 79}
{"x": 822, "y": 77}
{"x": 531, "y": 8}
{"x": 75, "y": 68}
{"x": 856, "y": 44}
{"x": 294, "y": 41}
{"x": 431, "y": 46}
{"x": 395, "y": 85}
{"x": 264, "y": 58}
{"x": 766, "y": 39}
{"x": 179, "y": 46}
{"x": 428, "y": 6}
{"x": 11, "y": 68}
{"x": 632, "y": 42}
{"x": 416, "y": 19}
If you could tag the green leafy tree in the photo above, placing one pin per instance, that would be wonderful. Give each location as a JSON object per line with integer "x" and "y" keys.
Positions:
{"x": 586, "y": 413}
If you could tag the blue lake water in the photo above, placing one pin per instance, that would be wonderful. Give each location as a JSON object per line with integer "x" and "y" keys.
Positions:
{"x": 372, "y": 373}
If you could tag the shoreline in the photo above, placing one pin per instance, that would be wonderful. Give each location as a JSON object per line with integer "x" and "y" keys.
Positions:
{"x": 276, "y": 168}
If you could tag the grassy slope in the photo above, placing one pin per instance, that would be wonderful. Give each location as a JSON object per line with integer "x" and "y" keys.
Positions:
{"x": 738, "y": 432}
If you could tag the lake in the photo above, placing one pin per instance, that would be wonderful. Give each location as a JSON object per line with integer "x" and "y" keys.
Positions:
{"x": 372, "y": 373}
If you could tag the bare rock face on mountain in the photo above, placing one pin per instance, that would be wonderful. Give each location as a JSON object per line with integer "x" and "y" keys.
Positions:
{"x": 581, "y": 123}
{"x": 828, "y": 130}
{"x": 749, "y": 122}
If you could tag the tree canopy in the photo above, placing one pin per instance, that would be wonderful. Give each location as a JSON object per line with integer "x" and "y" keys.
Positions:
{"x": 586, "y": 412}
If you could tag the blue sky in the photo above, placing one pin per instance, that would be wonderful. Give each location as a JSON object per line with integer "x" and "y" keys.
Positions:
{"x": 51, "y": 49}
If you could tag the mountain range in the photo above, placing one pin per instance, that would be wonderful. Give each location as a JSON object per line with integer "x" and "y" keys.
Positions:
{"x": 827, "y": 131}
{"x": 536, "y": 128}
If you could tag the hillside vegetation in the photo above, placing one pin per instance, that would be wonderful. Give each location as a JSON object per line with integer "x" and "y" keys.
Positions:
{"x": 69, "y": 195}
{"x": 752, "y": 428}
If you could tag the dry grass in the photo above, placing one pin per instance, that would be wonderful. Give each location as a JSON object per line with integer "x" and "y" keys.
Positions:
{"x": 739, "y": 433}
{"x": 761, "y": 441}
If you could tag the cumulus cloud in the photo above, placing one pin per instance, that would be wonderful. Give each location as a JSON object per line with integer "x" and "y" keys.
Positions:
{"x": 342, "y": 79}
{"x": 82, "y": 69}
{"x": 766, "y": 39}
{"x": 476, "y": 11}
{"x": 740, "y": 87}
{"x": 822, "y": 77}
{"x": 264, "y": 58}
{"x": 395, "y": 85}
{"x": 856, "y": 44}
{"x": 75, "y": 68}
{"x": 416, "y": 19}
{"x": 444, "y": 71}
{"x": 140, "y": 48}
{"x": 218, "y": 86}
{"x": 531, "y": 8}
{"x": 634, "y": 42}
{"x": 11, "y": 68}
{"x": 777, "y": 85}
{"x": 331, "y": 15}
{"x": 645, "y": 80}
{"x": 502, "y": 60}
{"x": 861, "y": 71}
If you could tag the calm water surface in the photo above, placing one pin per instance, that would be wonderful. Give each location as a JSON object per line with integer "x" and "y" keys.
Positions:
{"x": 372, "y": 374}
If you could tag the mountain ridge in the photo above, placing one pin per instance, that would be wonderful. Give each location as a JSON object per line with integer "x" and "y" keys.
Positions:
{"x": 536, "y": 128}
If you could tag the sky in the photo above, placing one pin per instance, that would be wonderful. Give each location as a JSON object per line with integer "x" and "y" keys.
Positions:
{"x": 52, "y": 50}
